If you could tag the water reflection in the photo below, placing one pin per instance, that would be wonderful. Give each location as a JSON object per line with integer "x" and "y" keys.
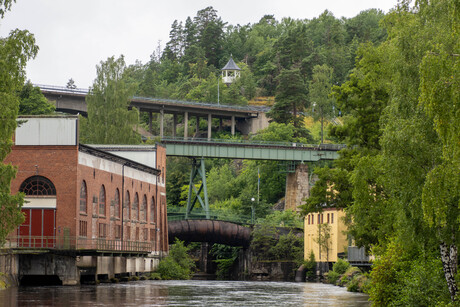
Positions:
{"x": 185, "y": 293}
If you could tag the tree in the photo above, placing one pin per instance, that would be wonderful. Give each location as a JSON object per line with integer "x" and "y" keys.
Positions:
{"x": 319, "y": 93}
{"x": 324, "y": 240}
{"x": 15, "y": 50}
{"x": 32, "y": 101}
{"x": 291, "y": 98}
{"x": 109, "y": 120}
{"x": 440, "y": 98}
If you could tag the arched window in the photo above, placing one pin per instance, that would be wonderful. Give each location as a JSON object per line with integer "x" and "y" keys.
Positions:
{"x": 37, "y": 186}
{"x": 136, "y": 207}
{"x": 83, "y": 197}
{"x": 144, "y": 209}
{"x": 116, "y": 202}
{"x": 127, "y": 206}
{"x": 102, "y": 201}
{"x": 152, "y": 210}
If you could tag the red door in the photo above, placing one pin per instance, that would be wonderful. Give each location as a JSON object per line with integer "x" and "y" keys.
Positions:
{"x": 38, "y": 228}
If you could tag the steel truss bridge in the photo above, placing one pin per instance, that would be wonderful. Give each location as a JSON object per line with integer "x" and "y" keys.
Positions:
{"x": 199, "y": 149}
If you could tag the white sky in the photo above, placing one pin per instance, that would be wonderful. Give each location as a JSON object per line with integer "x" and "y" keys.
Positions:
{"x": 75, "y": 35}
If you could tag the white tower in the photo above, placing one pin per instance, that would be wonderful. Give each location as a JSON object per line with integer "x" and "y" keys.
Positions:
{"x": 230, "y": 72}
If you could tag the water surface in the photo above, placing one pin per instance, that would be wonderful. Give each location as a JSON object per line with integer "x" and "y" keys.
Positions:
{"x": 185, "y": 293}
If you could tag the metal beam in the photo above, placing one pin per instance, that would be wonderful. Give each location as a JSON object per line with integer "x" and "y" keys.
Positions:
{"x": 247, "y": 151}
{"x": 198, "y": 170}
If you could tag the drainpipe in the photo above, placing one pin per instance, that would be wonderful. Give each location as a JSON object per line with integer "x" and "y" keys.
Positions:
{"x": 122, "y": 201}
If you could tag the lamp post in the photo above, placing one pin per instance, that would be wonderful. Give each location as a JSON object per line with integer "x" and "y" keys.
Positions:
{"x": 252, "y": 210}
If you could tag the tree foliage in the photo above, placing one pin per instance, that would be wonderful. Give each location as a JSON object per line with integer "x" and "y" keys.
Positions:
{"x": 15, "y": 50}
{"x": 32, "y": 101}
{"x": 109, "y": 120}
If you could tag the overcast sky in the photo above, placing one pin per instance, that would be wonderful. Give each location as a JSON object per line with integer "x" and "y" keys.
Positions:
{"x": 75, "y": 35}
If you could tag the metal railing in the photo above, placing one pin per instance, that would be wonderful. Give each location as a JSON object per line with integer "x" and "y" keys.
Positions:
{"x": 63, "y": 89}
{"x": 334, "y": 147}
{"x": 76, "y": 243}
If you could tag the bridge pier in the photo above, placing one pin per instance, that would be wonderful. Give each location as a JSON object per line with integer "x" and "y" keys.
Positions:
{"x": 162, "y": 118}
{"x": 297, "y": 187}
{"x": 185, "y": 125}
{"x": 174, "y": 125}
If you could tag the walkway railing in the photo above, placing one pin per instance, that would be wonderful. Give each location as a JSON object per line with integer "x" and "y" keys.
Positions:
{"x": 76, "y": 243}
{"x": 334, "y": 147}
{"x": 63, "y": 89}
{"x": 178, "y": 214}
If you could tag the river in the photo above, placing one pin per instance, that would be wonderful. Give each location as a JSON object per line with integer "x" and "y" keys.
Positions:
{"x": 185, "y": 293}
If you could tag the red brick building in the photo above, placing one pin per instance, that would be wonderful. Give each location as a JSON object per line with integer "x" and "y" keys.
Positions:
{"x": 88, "y": 196}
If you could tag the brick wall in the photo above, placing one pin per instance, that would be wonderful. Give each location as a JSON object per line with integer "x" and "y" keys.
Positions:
{"x": 58, "y": 164}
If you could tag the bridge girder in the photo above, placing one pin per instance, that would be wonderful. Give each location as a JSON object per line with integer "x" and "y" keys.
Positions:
{"x": 211, "y": 231}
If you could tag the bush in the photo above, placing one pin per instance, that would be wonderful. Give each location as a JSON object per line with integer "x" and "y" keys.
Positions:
{"x": 310, "y": 266}
{"x": 178, "y": 264}
{"x": 332, "y": 277}
{"x": 341, "y": 266}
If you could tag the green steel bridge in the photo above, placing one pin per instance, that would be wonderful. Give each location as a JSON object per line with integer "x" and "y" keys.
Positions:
{"x": 199, "y": 149}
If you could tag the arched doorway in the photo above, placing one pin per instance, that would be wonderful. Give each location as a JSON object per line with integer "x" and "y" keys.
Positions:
{"x": 38, "y": 229}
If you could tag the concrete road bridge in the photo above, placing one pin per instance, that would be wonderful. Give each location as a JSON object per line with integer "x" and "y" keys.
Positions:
{"x": 246, "y": 119}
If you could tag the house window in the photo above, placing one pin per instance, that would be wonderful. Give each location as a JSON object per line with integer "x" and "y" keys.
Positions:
{"x": 117, "y": 203}
{"x": 127, "y": 205}
{"x": 128, "y": 232}
{"x": 37, "y": 186}
{"x": 144, "y": 209}
{"x": 152, "y": 210}
{"x": 152, "y": 234}
{"x": 135, "y": 209}
{"x": 102, "y": 230}
{"x": 322, "y": 218}
{"x": 83, "y": 229}
{"x": 328, "y": 218}
{"x": 137, "y": 233}
{"x": 146, "y": 233}
{"x": 309, "y": 219}
{"x": 117, "y": 231}
{"x": 83, "y": 197}
{"x": 102, "y": 201}
{"x": 319, "y": 218}
{"x": 332, "y": 218}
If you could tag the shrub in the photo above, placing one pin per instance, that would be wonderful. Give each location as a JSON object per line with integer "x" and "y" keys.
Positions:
{"x": 310, "y": 266}
{"x": 341, "y": 266}
{"x": 178, "y": 264}
{"x": 332, "y": 277}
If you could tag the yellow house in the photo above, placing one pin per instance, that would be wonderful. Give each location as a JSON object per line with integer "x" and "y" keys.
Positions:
{"x": 324, "y": 235}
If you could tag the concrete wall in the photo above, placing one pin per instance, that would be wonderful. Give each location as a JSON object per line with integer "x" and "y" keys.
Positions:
{"x": 71, "y": 268}
{"x": 297, "y": 187}
{"x": 252, "y": 125}
{"x": 9, "y": 266}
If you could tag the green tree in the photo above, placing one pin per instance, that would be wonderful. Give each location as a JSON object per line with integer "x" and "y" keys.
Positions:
{"x": 319, "y": 94}
{"x": 291, "y": 98}
{"x": 440, "y": 98}
{"x": 32, "y": 101}
{"x": 324, "y": 240}
{"x": 109, "y": 120}
{"x": 15, "y": 50}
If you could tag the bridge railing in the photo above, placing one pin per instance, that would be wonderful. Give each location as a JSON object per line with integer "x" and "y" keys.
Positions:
{"x": 76, "y": 243}
{"x": 178, "y": 214}
{"x": 334, "y": 147}
{"x": 63, "y": 89}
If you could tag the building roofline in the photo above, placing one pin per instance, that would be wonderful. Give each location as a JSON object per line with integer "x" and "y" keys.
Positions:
{"x": 114, "y": 158}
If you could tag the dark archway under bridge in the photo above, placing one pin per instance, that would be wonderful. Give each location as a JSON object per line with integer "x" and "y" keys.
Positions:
{"x": 211, "y": 231}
